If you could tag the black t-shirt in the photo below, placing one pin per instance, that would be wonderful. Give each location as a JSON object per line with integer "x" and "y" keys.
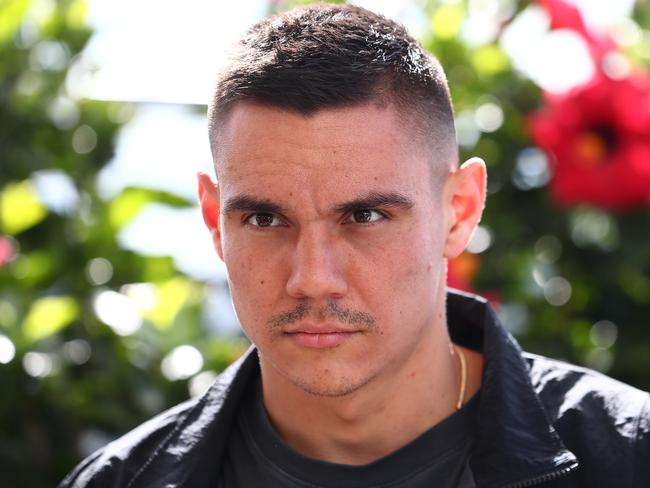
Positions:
{"x": 258, "y": 457}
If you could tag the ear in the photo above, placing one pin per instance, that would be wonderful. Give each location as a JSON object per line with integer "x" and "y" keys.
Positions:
{"x": 464, "y": 201}
{"x": 209, "y": 201}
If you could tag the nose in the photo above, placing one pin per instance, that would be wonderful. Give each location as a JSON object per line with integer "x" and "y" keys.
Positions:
{"x": 317, "y": 268}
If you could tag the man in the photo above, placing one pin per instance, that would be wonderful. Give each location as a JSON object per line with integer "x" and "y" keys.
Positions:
{"x": 339, "y": 200}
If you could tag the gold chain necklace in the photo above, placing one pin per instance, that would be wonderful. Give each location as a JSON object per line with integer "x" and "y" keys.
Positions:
{"x": 463, "y": 377}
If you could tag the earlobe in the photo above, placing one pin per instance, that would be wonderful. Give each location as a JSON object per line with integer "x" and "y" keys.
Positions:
{"x": 209, "y": 201}
{"x": 465, "y": 199}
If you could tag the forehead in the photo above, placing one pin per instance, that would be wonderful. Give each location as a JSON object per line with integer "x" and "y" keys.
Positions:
{"x": 370, "y": 147}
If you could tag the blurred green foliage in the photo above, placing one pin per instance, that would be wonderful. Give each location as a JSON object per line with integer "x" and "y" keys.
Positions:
{"x": 73, "y": 383}
{"x": 85, "y": 384}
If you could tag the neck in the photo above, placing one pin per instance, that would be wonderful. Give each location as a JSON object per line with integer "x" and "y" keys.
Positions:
{"x": 392, "y": 409}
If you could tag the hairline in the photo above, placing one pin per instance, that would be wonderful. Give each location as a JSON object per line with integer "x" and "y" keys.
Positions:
{"x": 417, "y": 123}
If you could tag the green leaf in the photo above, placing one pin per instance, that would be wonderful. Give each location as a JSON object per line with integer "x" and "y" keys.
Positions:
{"x": 11, "y": 16}
{"x": 76, "y": 14}
{"x": 20, "y": 207}
{"x": 129, "y": 203}
{"x": 490, "y": 60}
{"x": 8, "y": 314}
{"x": 49, "y": 315}
{"x": 446, "y": 21}
{"x": 171, "y": 296}
{"x": 32, "y": 268}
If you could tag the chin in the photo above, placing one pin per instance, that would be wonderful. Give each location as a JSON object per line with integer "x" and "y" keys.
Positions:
{"x": 335, "y": 372}
{"x": 328, "y": 384}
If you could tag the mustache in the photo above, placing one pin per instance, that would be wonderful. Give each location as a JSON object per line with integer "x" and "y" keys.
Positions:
{"x": 332, "y": 310}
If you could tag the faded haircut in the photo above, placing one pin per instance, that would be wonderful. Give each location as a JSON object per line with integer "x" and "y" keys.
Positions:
{"x": 333, "y": 56}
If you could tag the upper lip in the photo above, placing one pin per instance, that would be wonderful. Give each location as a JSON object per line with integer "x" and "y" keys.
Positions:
{"x": 319, "y": 329}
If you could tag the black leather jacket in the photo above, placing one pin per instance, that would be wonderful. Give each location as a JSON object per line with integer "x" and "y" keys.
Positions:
{"x": 541, "y": 423}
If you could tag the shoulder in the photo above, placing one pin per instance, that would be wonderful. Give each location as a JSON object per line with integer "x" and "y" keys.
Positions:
{"x": 119, "y": 460}
{"x": 565, "y": 387}
{"x": 169, "y": 443}
{"x": 601, "y": 420}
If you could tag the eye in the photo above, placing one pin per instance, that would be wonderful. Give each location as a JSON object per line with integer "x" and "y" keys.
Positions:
{"x": 263, "y": 219}
{"x": 365, "y": 216}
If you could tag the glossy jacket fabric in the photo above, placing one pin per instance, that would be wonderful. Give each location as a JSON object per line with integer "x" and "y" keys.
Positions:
{"x": 541, "y": 423}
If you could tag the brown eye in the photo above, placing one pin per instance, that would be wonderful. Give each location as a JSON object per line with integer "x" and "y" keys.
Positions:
{"x": 362, "y": 216}
{"x": 263, "y": 220}
{"x": 365, "y": 216}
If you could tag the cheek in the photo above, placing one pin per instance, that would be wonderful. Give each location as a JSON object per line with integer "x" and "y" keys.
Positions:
{"x": 244, "y": 259}
{"x": 414, "y": 256}
{"x": 255, "y": 280}
{"x": 249, "y": 290}
{"x": 405, "y": 276}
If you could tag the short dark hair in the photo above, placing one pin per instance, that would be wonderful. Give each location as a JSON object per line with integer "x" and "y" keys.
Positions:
{"x": 328, "y": 56}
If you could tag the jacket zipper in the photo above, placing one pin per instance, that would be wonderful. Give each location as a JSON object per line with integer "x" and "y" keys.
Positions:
{"x": 543, "y": 478}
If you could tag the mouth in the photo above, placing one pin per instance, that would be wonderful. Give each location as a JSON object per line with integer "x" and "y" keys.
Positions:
{"x": 320, "y": 337}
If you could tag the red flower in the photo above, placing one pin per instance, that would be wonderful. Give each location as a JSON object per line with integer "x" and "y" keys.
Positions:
{"x": 7, "y": 251}
{"x": 598, "y": 137}
{"x": 565, "y": 15}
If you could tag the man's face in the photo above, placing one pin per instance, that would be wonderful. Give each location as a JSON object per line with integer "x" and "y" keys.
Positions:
{"x": 333, "y": 235}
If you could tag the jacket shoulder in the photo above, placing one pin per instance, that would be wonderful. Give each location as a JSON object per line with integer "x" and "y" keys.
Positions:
{"x": 604, "y": 422}
{"x": 167, "y": 444}
{"x": 117, "y": 462}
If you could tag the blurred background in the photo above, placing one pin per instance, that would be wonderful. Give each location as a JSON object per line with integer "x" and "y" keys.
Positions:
{"x": 113, "y": 305}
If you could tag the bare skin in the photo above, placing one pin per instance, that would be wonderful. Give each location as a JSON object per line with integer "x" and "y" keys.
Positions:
{"x": 336, "y": 242}
{"x": 355, "y": 430}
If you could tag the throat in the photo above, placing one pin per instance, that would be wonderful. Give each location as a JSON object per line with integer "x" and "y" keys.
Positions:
{"x": 353, "y": 429}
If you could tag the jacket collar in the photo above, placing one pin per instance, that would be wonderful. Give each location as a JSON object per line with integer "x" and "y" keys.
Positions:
{"x": 515, "y": 442}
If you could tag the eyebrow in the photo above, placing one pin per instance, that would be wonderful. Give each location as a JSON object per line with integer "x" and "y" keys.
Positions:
{"x": 245, "y": 203}
{"x": 376, "y": 199}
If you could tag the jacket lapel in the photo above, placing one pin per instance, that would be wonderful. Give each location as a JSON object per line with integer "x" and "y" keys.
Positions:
{"x": 515, "y": 441}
